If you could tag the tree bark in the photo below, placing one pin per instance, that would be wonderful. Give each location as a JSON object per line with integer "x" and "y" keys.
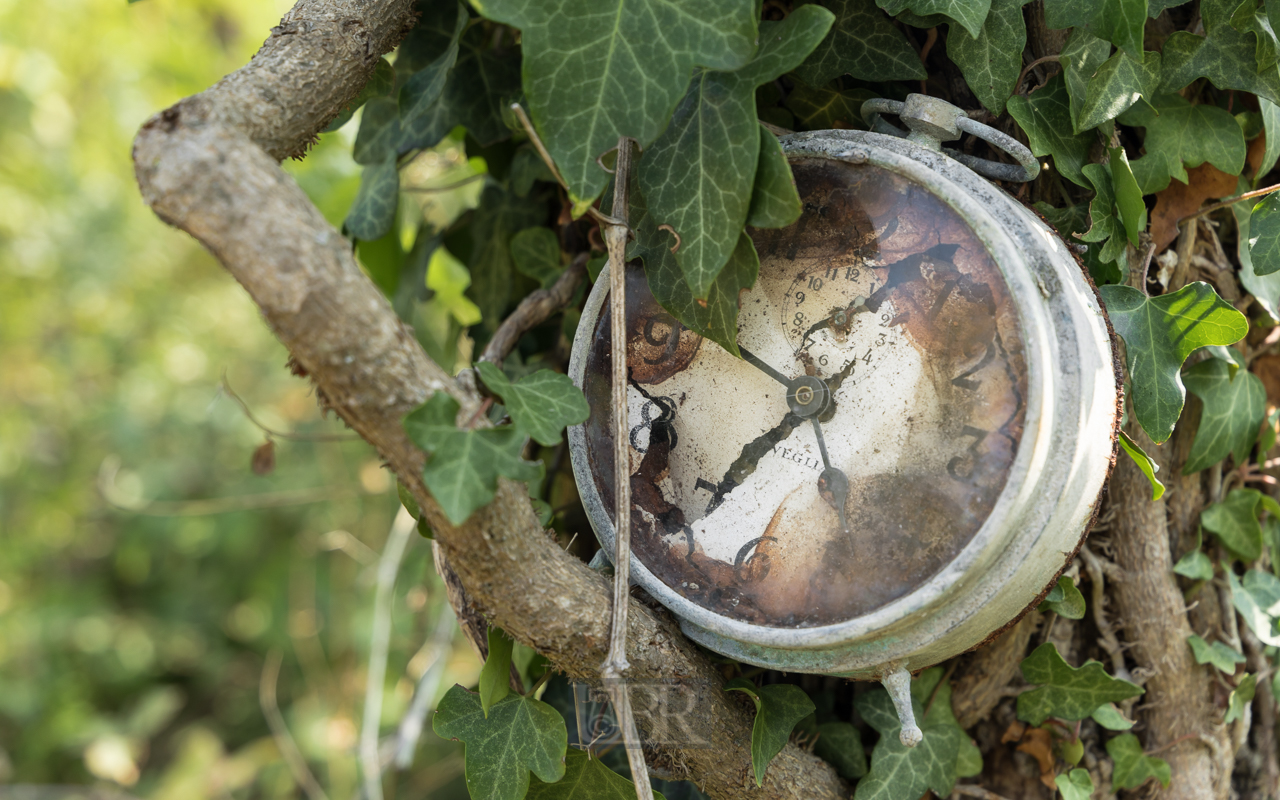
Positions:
{"x": 209, "y": 166}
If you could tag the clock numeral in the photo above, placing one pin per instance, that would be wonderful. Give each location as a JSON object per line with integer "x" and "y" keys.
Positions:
{"x": 961, "y": 467}
{"x": 660, "y": 424}
{"x": 865, "y": 359}
{"x": 716, "y": 498}
{"x": 852, "y": 273}
{"x": 754, "y": 567}
{"x": 964, "y": 381}
{"x": 815, "y": 283}
{"x": 670, "y": 343}
{"x": 798, "y": 320}
{"x": 799, "y": 298}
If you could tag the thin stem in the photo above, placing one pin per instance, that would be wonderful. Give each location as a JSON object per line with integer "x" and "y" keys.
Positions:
{"x": 225, "y": 388}
{"x": 1147, "y": 252}
{"x": 546, "y": 676}
{"x": 1023, "y": 75}
{"x": 525, "y": 122}
{"x": 1231, "y": 201}
{"x": 280, "y": 731}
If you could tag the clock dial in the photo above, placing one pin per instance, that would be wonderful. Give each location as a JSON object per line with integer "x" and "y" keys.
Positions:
{"x": 863, "y": 439}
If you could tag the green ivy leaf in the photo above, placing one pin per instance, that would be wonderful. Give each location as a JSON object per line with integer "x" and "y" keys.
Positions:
{"x": 536, "y": 252}
{"x": 420, "y": 92}
{"x": 697, "y": 176}
{"x": 1195, "y": 565}
{"x": 778, "y": 708}
{"x": 1075, "y": 219}
{"x": 992, "y": 61}
{"x": 1224, "y": 55}
{"x": 1233, "y": 410}
{"x": 1218, "y": 654}
{"x": 541, "y": 404}
{"x": 1045, "y": 116}
{"x": 824, "y": 108}
{"x": 519, "y": 735}
{"x": 1264, "y": 288}
{"x": 864, "y": 43}
{"x": 775, "y": 202}
{"x": 1064, "y": 599}
{"x": 1271, "y": 151}
{"x": 1117, "y": 21}
{"x": 526, "y": 167}
{"x": 1132, "y": 766}
{"x": 379, "y": 136}
{"x": 1081, "y": 57}
{"x": 899, "y": 772}
{"x": 1075, "y": 785}
{"x": 585, "y": 778}
{"x": 1133, "y": 212}
{"x": 1239, "y": 698}
{"x": 1264, "y": 236}
{"x": 1105, "y": 223}
{"x": 1119, "y": 83}
{"x": 500, "y": 215}
{"x": 595, "y": 70}
{"x": 1067, "y": 692}
{"x": 1250, "y": 18}
{"x": 1109, "y": 717}
{"x": 1257, "y": 601}
{"x": 840, "y": 745}
{"x": 448, "y": 279}
{"x": 718, "y": 319}
{"x": 463, "y": 468}
{"x": 495, "y": 675}
{"x": 969, "y": 13}
{"x": 1181, "y": 135}
{"x": 1159, "y": 333}
{"x": 374, "y": 210}
{"x": 1145, "y": 464}
{"x": 1235, "y": 521}
{"x": 380, "y": 83}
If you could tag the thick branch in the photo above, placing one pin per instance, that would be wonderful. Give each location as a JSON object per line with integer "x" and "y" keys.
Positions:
{"x": 209, "y": 166}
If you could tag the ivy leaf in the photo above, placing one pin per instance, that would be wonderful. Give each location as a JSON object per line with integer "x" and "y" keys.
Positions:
{"x": 1271, "y": 124}
{"x": 1249, "y": 18}
{"x": 1256, "y": 600}
{"x": 423, "y": 88}
{"x": 1132, "y": 766}
{"x": 541, "y": 404}
{"x": 1195, "y": 565}
{"x": 585, "y": 778}
{"x": 1145, "y": 464}
{"x": 1119, "y": 83}
{"x": 1075, "y": 219}
{"x": 1226, "y": 56}
{"x": 1045, "y": 116}
{"x": 595, "y": 70}
{"x": 462, "y": 471}
{"x": 495, "y": 676}
{"x": 1159, "y": 333}
{"x": 448, "y": 279}
{"x": 1075, "y": 785}
{"x": 374, "y": 210}
{"x": 500, "y": 215}
{"x": 1240, "y": 697}
{"x": 697, "y": 176}
{"x": 1105, "y": 224}
{"x": 536, "y": 252}
{"x": 519, "y": 735}
{"x": 1109, "y": 717}
{"x": 526, "y": 167}
{"x": 899, "y": 772}
{"x": 1235, "y": 521}
{"x": 1181, "y": 135}
{"x": 824, "y": 108}
{"x": 1117, "y": 21}
{"x": 969, "y": 13}
{"x": 864, "y": 43}
{"x": 840, "y": 745}
{"x": 1081, "y": 57}
{"x": 1264, "y": 288}
{"x": 1133, "y": 212}
{"x": 380, "y": 83}
{"x": 1067, "y": 692}
{"x": 778, "y": 708}
{"x": 1264, "y": 236}
{"x": 1233, "y": 410}
{"x": 379, "y": 136}
{"x": 1064, "y": 599}
{"x": 775, "y": 202}
{"x": 718, "y": 319}
{"x": 1218, "y": 654}
{"x": 992, "y": 61}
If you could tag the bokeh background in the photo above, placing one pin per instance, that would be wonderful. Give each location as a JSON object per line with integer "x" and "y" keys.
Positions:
{"x": 147, "y": 575}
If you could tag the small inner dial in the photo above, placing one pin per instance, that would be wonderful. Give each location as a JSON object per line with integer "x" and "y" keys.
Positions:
{"x": 862, "y": 438}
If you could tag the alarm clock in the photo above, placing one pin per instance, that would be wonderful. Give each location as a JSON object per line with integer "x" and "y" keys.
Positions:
{"x": 912, "y": 444}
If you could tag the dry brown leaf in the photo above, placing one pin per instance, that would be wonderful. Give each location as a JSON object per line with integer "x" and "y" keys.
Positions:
{"x": 264, "y": 458}
{"x": 1257, "y": 148}
{"x": 1038, "y": 743}
{"x": 1206, "y": 182}
{"x": 1267, "y": 368}
{"x": 1014, "y": 732}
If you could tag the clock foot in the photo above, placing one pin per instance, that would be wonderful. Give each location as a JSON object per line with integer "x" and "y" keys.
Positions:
{"x": 898, "y": 683}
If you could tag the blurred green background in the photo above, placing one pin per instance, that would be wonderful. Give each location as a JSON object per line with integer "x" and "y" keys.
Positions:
{"x": 147, "y": 574}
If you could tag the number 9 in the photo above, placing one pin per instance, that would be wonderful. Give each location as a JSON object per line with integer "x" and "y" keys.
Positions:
{"x": 799, "y": 298}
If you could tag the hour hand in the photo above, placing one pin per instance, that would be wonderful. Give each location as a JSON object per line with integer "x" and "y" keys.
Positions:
{"x": 833, "y": 484}
{"x": 754, "y": 361}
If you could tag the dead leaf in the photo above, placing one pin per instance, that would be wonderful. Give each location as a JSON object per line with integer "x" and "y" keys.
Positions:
{"x": 264, "y": 458}
{"x": 1038, "y": 743}
{"x": 1014, "y": 732}
{"x": 1267, "y": 368}
{"x": 1206, "y": 182}
{"x": 1257, "y": 148}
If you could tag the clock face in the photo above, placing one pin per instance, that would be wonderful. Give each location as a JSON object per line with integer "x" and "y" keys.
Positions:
{"x": 864, "y": 437}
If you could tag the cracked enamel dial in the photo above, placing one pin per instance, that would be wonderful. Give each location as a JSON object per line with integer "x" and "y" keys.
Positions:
{"x": 861, "y": 441}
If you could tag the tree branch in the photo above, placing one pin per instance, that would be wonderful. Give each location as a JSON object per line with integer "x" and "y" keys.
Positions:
{"x": 209, "y": 166}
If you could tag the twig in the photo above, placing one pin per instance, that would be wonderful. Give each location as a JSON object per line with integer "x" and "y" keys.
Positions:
{"x": 969, "y": 790}
{"x": 1098, "y": 594}
{"x": 518, "y": 110}
{"x": 225, "y": 388}
{"x": 1023, "y": 75}
{"x": 448, "y": 187}
{"x": 388, "y": 566}
{"x": 280, "y": 731}
{"x": 534, "y": 310}
{"x": 612, "y": 671}
{"x": 424, "y": 694}
{"x": 1230, "y": 201}
{"x": 1147, "y": 251}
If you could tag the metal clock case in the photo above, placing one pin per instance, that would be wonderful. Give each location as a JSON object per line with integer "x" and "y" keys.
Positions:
{"x": 915, "y": 439}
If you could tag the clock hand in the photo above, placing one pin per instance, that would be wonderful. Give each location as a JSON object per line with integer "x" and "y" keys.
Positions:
{"x": 746, "y": 462}
{"x": 833, "y": 484}
{"x": 839, "y": 319}
{"x": 754, "y": 361}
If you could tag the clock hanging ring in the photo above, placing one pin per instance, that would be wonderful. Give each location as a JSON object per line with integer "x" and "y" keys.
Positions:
{"x": 913, "y": 443}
